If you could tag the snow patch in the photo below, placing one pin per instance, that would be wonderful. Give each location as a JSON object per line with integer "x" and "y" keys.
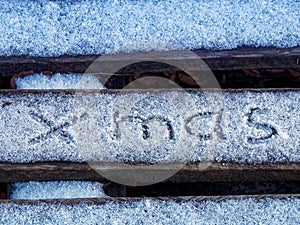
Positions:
{"x": 59, "y": 81}
{"x": 57, "y": 190}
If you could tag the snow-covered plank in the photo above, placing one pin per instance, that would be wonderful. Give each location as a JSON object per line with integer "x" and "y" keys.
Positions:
{"x": 243, "y": 126}
{"x": 93, "y": 27}
{"x": 256, "y": 209}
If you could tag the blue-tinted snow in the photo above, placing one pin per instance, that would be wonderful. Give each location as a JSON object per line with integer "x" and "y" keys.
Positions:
{"x": 232, "y": 211}
{"x": 52, "y": 28}
{"x": 67, "y": 127}
{"x": 57, "y": 190}
{"x": 58, "y": 81}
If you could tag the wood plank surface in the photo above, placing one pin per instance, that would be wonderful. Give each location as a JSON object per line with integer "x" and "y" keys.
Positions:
{"x": 215, "y": 172}
{"x": 241, "y": 58}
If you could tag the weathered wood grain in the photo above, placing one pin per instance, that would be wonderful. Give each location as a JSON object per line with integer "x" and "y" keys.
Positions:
{"x": 241, "y": 58}
{"x": 215, "y": 172}
{"x": 101, "y": 201}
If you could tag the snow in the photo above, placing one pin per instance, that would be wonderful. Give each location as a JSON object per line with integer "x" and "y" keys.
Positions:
{"x": 58, "y": 81}
{"x": 247, "y": 127}
{"x": 240, "y": 210}
{"x": 53, "y": 28}
{"x": 57, "y": 190}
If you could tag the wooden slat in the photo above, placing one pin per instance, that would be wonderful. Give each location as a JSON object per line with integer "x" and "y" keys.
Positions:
{"x": 47, "y": 171}
{"x": 215, "y": 172}
{"x": 241, "y": 58}
{"x": 232, "y": 172}
{"x": 244, "y": 58}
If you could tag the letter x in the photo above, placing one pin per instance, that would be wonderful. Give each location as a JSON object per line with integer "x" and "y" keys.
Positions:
{"x": 60, "y": 129}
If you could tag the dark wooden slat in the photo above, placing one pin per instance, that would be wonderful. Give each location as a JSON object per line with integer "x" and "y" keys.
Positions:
{"x": 215, "y": 172}
{"x": 214, "y": 188}
{"x": 47, "y": 171}
{"x": 233, "y": 172}
{"x": 241, "y": 58}
{"x": 246, "y": 57}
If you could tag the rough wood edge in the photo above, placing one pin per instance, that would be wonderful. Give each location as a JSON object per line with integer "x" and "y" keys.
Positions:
{"x": 125, "y": 91}
{"x": 241, "y": 52}
{"x": 101, "y": 201}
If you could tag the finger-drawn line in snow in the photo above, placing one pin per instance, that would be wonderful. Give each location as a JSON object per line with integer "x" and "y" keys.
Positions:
{"x": 149, "y": 127}
{"x": 217, "y": 128}
{"x": 61, "y": 129}
{"x": 145, "y": 126}
{"x": 252, "y": 122}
